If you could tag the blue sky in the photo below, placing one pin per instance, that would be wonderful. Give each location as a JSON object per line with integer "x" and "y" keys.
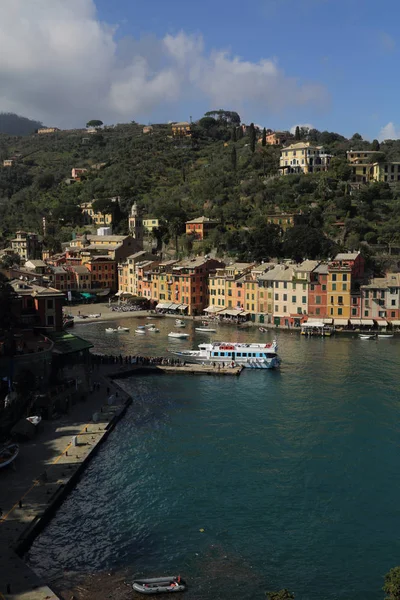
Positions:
{"x": 328, "y": 63}
{"x": 348, "y": 46}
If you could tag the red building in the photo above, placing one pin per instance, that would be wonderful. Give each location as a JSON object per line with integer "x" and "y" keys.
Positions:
{"x": 103, "y": 272}
{"x": 40, "y": 306}
{"x": 201, "y": 227}
{"x": 317, "y": 295}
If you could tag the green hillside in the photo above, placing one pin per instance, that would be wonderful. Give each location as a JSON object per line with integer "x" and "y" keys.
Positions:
{"x": 216, "y": 173}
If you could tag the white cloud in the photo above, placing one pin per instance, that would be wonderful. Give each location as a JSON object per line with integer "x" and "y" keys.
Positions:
{"x": 305, "y": 125}
{"x": 389, "y": 132}
{"x": 60, "y": 64}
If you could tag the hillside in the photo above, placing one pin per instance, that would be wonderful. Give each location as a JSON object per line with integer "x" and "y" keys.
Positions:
{"x": 12, "y": 124}
{"x": 210, "y": 174}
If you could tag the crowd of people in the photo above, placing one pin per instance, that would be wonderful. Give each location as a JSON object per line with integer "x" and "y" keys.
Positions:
{"x": 126, "y": 307}
{"x": 104, "y": 359}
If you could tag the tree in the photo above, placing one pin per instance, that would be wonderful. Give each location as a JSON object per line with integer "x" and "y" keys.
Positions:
{"x": 234, "y": 158}
{"x": 252, "y": 136}
{"x": 233, "y": 134}
{"x": 104, "y": 205}
{"x": 94, "y": 123}
{"x": 224, "y": 116}
{"x": 302, "y": 241}
{"x": 357, "y": 137}
{"x": 264, "y": 138}
{"x": 297, "y": 133}
{"x": 281, "y": 595}
{"x": 7, "y": 300}
{"x": 392, "y": 584}
{"x": 375, "y": 145}
{"x": 207, "y": 123}
{"x": 9, "y": 260}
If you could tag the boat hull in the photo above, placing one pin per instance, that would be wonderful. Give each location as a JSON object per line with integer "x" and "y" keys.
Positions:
{"x": 159, "y": 585}
{"x": 272, "y": 363}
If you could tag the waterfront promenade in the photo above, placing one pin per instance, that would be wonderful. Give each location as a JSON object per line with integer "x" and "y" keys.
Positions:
{"x": 46, "y": 469}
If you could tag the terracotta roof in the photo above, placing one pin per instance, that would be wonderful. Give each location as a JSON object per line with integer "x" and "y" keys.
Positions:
{"x": 202, "y": 220}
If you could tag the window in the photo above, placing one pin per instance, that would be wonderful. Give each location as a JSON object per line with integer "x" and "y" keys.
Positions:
{"x": 354, "y": 312}
{"x": 333, "y": 287}
{"x": 394, "y": 302}
{"x": 344, "y": 277}
{"x": 331, "y": 311}
{"x": 340, "y": 299}
{"x": 317, "y": 299}
{"x": 344, "y": 286}
{"x": 324, "y": 288}
{"x": 284, "y": 309}
{"x": 304, "y": 299}
{"x": 331, "y": 299}
{"x": 285, "y": 285}
{"x": 276, "y": 296}
{"x": 50, "y": 320}
{"x": 392, "y": 314}
{"x": 276, "y": 308}
{"x": 50, "y": 304}
{"x": 333, "y": 276}
{"x": 294, "y": 299}
{"x": 285, "y": 297}
{"x": 340, "y": 311}
{"x": 366, "y": 313}
{"x": 317, "y": 311}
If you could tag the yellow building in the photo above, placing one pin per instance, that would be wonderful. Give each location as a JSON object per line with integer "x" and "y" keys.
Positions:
{"x": 338, "y": 288}
{"x": 226, "y": 287}
{"x": 303, "y": 157}
{"x": 365, "y": 171}
{"x": 150, "y": 224}
{"x": 96, "y": 218}
{"x": 127, "y": 275}
{"x": 182, "y": 129}
{"x": 388, "y": 172}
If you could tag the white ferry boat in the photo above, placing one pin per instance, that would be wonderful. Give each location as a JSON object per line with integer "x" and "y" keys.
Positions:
{"x": 253, "y": 356}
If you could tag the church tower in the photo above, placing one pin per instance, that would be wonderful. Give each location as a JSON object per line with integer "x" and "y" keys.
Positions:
{"x": 136, "y": 223}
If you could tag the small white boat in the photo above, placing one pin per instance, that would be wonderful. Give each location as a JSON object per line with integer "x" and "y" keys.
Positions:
{"x": 111, "y": 330}
{"x": 153, "y": 329}
{"x": 141, "y": 330}
{"x": 205, "y": 330}
{"x": 123, "y": 329}
{"x": 366, "y": 337}
{"x": 8, "y": 454}
{"x": 95, "y": 316}
{"x": 35, "y": 420}
{"x": 177, "y": 335}
{"x": 385, "y": 336}
{"x": 262, "y": 329}
{"x": 180, "y": 323}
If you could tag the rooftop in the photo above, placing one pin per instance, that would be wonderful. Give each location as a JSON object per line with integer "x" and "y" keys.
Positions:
{"x": 22, "y": 288}
{"x": 202, "y": 220}
{"x": 35, "y": 263}
{"x": 346, "y": 256}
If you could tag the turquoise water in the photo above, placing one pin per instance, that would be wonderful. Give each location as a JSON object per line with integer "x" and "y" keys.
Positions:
{"x": 293, "y": 475}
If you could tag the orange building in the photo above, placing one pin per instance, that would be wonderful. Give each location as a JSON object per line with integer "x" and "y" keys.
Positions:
{"x": 200, "y": 227}
{"x": 181, "y": 129}
{"x": 184, "y": 285}
{"x": 103, "y": 272}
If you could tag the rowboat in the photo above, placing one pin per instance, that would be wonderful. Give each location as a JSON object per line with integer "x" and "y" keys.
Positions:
{"x": 35, "y": 420}
{"x": 385, "y": 336}
{"x": 122, "y": 329}
{"x": 262, "y": 329}
{"x": 159, "y": 585}
{"x": 141, "y": 329}
{"x": 8, "y": 454}
{"x": 111, "y": 330}
{"x": 177, "y": 335}
{"x": 205, "y": 330}
{"x": 366, "y": 337}
{"x": 179, "y": 323}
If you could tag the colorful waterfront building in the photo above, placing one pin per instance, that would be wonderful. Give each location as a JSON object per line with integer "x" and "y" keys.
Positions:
{"x": 227, "y": 289}
{"x": 380, "y": 299}
{"x": 345, "y": 272}
{"x": 127, "y": 276}
{"x": 103, "y": 271}
{"x": 41, "y": 306}
{"x": 318, "y": 293}
{"x": 184, "y": 285}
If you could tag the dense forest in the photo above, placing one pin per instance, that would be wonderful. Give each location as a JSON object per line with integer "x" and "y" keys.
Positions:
{"x": 220, "y": 172}
{"x": 13, "y": 124}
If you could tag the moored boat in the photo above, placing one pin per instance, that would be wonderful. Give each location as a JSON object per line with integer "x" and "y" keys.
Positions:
{"x": 123, "y": 329}
{"x": 385, "y": 336}
{"x": 205, "y": 330}
{"x": 8, "y": 454}
{"x": 253, "y": 356}
{"x": 179, "y": 323}
{"x": 364, "y": 336}
{"x": 111, "y": 330}
{"x": 177, "y": 335}
{"x": 141, "y": 329}
{"x": 262, "y": 329}
{"x": 159, "y": 585}
{"x": 35, "y": 420}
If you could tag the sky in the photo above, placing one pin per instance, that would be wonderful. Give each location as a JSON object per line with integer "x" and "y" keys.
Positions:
{"x": 329, "y": 64}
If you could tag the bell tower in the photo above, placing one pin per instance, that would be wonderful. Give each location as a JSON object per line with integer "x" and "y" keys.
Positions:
{"x": 136, "y": 223}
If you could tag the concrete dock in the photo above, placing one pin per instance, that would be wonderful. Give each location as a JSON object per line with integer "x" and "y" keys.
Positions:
{"x": 45, "y": 471}
{"x": 122, "y": 371}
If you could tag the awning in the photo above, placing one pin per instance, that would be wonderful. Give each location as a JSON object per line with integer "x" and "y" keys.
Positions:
{"x": 395, "y": 322}
{"x": 312, "y": 323}
{"x": 381, "y": 322}
{"x": 233, "y": 312}
{"x": 183, "y": 306}
{"x": 212, "y": 309}
{"x": 366, "y": 322}
{"x": 103, "y": 292}
{"x": 174, "y": 306}
{"x": 67, "y": 343}
{"x": 341, "y": 321}
{"x": 163, "y": 305}
{"x": 355, "y": 321}
{"x": 327, "y": 320}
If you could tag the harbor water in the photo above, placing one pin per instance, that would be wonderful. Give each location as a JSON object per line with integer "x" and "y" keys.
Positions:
{"x": 243, "y": 485}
